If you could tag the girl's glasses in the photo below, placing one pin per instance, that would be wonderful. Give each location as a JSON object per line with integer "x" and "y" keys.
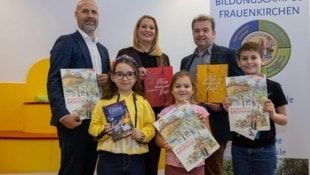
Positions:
{"x": 121, "y": 75}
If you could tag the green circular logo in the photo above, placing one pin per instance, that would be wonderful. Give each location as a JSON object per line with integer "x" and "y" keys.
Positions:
{"x": 275, "y": 45}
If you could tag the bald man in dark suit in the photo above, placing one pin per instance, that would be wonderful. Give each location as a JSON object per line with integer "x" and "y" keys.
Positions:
{"x": 80, "y": 49}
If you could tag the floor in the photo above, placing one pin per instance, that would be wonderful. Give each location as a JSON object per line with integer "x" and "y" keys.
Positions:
{"x": 160, "y": 172}
{"x": 42, "y": 173}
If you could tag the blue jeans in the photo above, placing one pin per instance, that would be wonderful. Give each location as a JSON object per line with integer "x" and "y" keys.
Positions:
{"x": 257, "y": 161}
{"x": 120, "y": 164}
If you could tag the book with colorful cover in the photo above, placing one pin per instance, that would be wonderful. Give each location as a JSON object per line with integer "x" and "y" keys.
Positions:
{"x": 247, "y": 94}
{"x": 118, "y": 116}
{"x": 188, "y": 137}
{"x": 81, "y": 91}
{"x": 211, "y": 85}
{"x": 156, "y": 85}
{"x": 242, "y": 121}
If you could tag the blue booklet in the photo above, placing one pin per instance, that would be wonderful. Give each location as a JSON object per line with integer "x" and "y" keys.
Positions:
{"x": 118, "y": 116}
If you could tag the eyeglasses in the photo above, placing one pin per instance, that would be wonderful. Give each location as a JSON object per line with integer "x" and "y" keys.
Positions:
{"x": 121, "y": 75}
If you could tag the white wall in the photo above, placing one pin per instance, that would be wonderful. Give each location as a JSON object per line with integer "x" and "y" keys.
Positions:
{"x": 29, "y": 28}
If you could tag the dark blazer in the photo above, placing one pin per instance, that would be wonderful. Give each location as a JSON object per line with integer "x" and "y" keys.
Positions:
{"x": 69, "y": 51}
{"x": 219, "y": 55}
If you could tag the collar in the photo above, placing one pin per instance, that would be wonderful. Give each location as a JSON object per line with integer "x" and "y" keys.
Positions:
{"x": 208, "y": 51}
{"x": 121, "y": 96}
{"x": 87, "y": 37}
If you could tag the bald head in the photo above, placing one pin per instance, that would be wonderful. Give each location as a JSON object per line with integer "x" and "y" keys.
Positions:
{"x": 87, "y": 16}
{"x": 82, "y": 2}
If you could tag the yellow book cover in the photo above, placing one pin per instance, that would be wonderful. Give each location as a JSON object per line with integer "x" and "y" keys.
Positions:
{"x": 211, "y": 86}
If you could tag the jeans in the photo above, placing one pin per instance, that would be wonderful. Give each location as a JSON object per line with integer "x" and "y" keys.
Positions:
{"x": 257, "y": 161}
{"x": 120, "y": 164}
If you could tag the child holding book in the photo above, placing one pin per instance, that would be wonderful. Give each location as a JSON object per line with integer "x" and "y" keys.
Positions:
{"x": 124, "y": 156}
{"x": 258, "y": 156}
{"x": 182, "y": 89}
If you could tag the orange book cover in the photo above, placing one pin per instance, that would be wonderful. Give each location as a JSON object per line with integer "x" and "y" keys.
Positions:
{"x": 156, "y": 85}
{"x": 211, "y": 86}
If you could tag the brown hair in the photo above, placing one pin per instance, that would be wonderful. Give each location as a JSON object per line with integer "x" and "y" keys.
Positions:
{"x": 200, "y": 18}
{"x": 248, "y": 46}
{"x": 176, "y": 77}
{"x": 155, "y": 50}
{"x": 110, "y": 89}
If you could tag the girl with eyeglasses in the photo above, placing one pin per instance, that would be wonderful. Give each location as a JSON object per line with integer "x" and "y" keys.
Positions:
{"x": 125, "y": 156}
{"x": 148, "y": 54}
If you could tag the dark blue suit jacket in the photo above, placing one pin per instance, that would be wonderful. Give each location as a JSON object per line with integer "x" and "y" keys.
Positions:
{"x": 69, "y": 51}
{"x": 219, "y": 55}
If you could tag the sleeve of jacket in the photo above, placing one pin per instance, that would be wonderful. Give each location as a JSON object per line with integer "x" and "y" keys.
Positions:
{"x": 146, "y": 120}
{"x": 234, "y": 69}
{"x": 97, "y": 121}
{"x": 186, "y": 62}
{"x": 60, "y": 57}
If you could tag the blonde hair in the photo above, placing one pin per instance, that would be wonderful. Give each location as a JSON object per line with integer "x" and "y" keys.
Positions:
{"x": 155, "y": 50}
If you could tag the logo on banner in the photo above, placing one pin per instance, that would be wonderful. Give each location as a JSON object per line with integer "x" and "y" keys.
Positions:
{"x": 275, "y": 45}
